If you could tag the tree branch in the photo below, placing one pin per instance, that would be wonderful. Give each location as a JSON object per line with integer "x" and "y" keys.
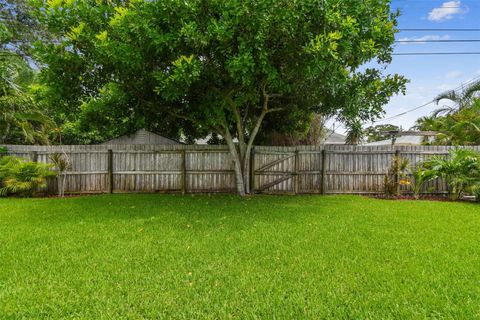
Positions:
{"x": 238, "y": 121}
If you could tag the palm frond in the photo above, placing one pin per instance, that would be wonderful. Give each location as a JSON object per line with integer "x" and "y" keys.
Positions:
{"x": 442, "y": 111}
{"x": 451, "y": 95}
{"x": 472, "y": 89}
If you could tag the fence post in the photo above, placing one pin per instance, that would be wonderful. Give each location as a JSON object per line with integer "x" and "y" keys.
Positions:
{"x": 397, "y": 173}
{"x": 296, "y": 176}
{"x": 252, "y": 170}
{"x": 34, "y": 156}
{"x": 110, "y": 171}
{"x": 184, "y": 171}
{"x": 324, "y": 172}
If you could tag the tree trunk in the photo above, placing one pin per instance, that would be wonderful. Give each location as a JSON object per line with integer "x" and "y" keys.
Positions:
{"x": 241, "y": 157}
{"x": 237, "y": 164}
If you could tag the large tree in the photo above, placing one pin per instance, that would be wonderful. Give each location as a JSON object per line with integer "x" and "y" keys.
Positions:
{"x": 195, "y": 67}
{"x": 21, "y": 121}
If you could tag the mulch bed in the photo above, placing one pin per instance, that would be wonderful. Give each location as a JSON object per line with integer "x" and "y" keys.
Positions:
{"x": 443, "y": 198}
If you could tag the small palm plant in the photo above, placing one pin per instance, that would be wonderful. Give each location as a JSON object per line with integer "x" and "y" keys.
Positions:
{"x": 461, "y": 170}
{"x": 420, "y": 176}
{"x": 396, "y": 175}
{"x": 23, "y": 177}
{"x": 62, "y": 164}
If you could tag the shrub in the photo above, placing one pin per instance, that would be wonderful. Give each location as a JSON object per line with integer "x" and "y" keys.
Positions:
{"x": 420, "y": 176}
{"x": 22, "y": 177}
{"x": 394, "y": 175}
{"x": 461, "y": 170}
{"x": 475, "y": 191}
{"x": 62, "y": 164}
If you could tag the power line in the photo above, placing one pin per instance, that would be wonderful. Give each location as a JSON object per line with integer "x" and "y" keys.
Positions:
{"x": 439, "y": 40}
{"x": 427, "y": 103}
{"x": 433, "y": 53}
{"x": 441, "y": 29}
{"x": 404, "y": 113}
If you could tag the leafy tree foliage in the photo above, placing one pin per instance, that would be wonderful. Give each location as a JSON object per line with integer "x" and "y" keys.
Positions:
{"x": 21, "y": 28}
{"x": 376, "y": 133}
{"x": 20, "y": 119}
{"x": 197, "y": 67}
{"x": 461, "y": 127}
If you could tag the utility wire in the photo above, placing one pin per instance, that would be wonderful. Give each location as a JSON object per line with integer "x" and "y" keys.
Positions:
{"x": 433, "y": 53}
{"x": 439, "y": 40}
{"x": 406, "y": 112}
{"x": 427, "y": 103}
{"x": 441, "y": 29}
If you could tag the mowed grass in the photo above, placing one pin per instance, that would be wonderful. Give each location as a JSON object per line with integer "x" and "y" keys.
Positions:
{"x": 221, "y": 257}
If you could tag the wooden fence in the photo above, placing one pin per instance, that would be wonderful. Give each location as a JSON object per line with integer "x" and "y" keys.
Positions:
{"x": 333, "y": 169}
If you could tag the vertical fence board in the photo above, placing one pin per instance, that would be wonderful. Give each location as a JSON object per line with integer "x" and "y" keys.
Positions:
{"x": 151, "y": 168}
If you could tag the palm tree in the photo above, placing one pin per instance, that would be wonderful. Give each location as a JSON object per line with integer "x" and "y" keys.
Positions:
{"x": 462, "y": 99}
{"x": 355, "y": 133}
{"x": 18, "y": 114}
{"x": 461, "y": 127}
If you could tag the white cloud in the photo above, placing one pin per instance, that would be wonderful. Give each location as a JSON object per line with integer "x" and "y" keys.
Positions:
{"x": 421, "y": 40}
{"x": 453, "y": 75}
{"x": 446, "y": 11}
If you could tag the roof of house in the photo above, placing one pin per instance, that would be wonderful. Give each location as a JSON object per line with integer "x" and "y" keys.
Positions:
{"x": 142, "y": 136}
{"x": 400, "y": 141}
{"x": 330, "y": 138}
{"x": 334, "y": 138}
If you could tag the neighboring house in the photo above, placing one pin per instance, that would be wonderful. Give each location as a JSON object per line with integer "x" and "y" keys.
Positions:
{"x": 416, "y": 139}
{"x": 142, "y": 136}
{"x": 334, "y": 138}
{"x": 331, "y": 137}
{"x": 400, "y": 141}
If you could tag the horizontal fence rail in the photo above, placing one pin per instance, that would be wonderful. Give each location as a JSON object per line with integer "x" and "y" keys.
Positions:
{"x": 330, "y": 169}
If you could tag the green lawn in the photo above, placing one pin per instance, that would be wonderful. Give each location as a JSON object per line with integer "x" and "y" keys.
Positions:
{"x": 201, "y": 257}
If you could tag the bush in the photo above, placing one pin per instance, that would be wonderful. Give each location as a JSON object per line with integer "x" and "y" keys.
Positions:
{"x": 420, "y": 176}
{"x": 23, "y": 177}
{"x": 395, "y": 175}
{"x": 475, "y": 191}
{"x": 62, "y": 164}
{"x": 461, "y": 170}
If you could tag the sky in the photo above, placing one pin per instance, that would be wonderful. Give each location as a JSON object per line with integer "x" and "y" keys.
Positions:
{"x": 430, "y": 75}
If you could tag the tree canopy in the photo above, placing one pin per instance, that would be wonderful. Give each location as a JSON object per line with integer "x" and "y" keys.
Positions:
{"x": 457, "y": 124}
{"x": 198, "y": 67}
{"x": 21, "y": 121}
{"x": 377, "y": 133}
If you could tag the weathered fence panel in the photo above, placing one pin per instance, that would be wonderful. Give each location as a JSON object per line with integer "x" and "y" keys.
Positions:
{"x": 333, "y": 169}
{"x": 336, "y": 169}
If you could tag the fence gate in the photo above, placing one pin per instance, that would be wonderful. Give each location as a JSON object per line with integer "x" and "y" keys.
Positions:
{"x": 287, "y": 170}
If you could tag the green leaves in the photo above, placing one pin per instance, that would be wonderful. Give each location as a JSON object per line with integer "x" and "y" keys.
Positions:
{"x": 421, "y": 175}
{"x": 461, "y": 170}
{"x": 182, "y": 73}
{"x": 19, "y": 176}
{"x": 181, "y": 59}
